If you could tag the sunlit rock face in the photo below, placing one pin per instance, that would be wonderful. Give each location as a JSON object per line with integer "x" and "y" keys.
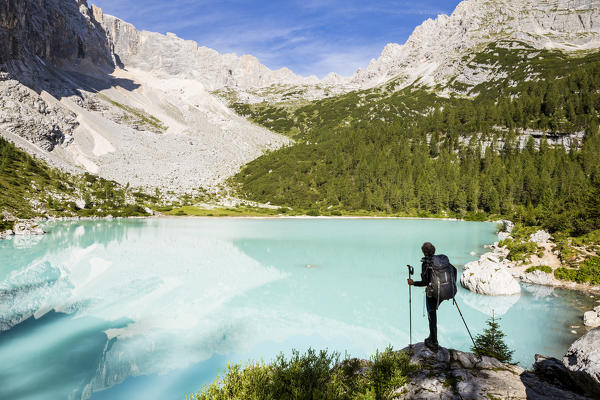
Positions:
{"x": 169, "y": 55}
{"x": 65, "y": 97}
{"x": 434, "y": 52}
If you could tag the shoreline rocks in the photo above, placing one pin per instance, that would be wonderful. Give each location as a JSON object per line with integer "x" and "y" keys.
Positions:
{"x": 27, "y": 228}
{"x": 592, "y": 318}
{"x": 489, "y": 276}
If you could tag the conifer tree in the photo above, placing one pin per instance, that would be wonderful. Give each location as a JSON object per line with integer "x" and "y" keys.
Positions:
{"x": 491, "y": 342}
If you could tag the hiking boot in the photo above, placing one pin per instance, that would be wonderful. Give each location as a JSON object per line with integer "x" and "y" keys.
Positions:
{"x": 431, "y": 345}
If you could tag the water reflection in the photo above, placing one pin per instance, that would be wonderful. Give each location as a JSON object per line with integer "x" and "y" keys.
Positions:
{"x": 165, "y": 297}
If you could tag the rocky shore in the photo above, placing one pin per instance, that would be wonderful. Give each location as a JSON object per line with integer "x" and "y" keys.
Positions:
{"x": 32, "y": 227}
{"x": 495, "y": 275}
{"x": 452, "y": 374}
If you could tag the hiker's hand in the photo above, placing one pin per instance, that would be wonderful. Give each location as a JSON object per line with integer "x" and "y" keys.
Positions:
{"x": 410, "y": 281}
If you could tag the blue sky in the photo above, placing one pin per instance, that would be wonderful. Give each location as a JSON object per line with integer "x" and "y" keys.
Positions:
{"x": 309, "y": 37}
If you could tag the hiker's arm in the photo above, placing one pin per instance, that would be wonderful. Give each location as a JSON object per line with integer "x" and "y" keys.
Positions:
{"x": 425, "y": 276}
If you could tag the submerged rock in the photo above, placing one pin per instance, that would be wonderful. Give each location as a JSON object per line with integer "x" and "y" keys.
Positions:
{"x": 583, "y": 362}
{"x": 489, "y": 276}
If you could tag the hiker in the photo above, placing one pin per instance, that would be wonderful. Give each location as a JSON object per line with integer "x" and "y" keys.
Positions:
{"x": 439, "y": 278}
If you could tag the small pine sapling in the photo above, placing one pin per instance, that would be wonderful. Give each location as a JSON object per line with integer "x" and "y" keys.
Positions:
{"x": 491, "y": 342}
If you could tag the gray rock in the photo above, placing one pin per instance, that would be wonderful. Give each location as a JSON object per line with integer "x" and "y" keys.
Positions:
{"x": 80, "y": 203}
{"x": 466, "y": 360}
{"x": 503, "y": 236}
{"x": 583, "y": 362}
{"x": 591, "y": 319}
{"x": 452, "y": 374}
{"x": 537, "y": 277}
{"x": 553, "y": 371}
{"x": 489, "y": 276}
{"x": 540, "y": 237}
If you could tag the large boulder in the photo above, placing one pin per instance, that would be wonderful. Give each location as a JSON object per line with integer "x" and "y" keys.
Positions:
{"x": 592, "y": 318}
{"x": 540, "y": 237}
{"x": 583, "y": 362}
{"x": 552, "y": 370}
{"x": 489, "y": 276}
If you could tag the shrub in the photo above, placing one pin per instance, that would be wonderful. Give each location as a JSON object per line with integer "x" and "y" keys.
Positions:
{"x": 588, "y": 272}
{"x": 302, "y": 376}
{"x": 518, "y": 250}
{"x": 5, "y": 225}
{"x": 312, "y": 375}
{"x": 491, "y": 342}
{"x": 543, "y": 268}
{"x": 313, "y": 213}
{"x": 388, "y": 371}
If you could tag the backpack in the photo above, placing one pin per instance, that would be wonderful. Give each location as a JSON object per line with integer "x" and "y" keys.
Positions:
{"x": 443, "y": 279}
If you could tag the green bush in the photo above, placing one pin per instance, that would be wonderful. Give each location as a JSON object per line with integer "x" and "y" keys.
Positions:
{"x": 588, "y": 272}
{"x": 5, "y": 225}
{"x": 388, "y": 372}
{"x": 518, "y": 250}
{"x": 312, "y": 375}
{"x": 543, "y": 268}
{"x": 313, "y": 213}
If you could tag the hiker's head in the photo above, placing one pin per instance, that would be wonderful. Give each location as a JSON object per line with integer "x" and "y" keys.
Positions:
{"x": 428, "y": 249}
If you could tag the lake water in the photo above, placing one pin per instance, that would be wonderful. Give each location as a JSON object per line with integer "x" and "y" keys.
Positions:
{"x": 154, "y": 308}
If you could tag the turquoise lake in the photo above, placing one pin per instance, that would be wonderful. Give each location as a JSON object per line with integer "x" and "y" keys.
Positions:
{"x": 154, "y": 308}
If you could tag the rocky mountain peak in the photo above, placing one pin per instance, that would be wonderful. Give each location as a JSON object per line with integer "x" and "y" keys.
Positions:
{"x": 433, "y": 48}
{"x": 171, "y": 56}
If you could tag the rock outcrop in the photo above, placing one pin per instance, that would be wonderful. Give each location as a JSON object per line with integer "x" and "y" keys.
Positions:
{"x": 489, "y": 276}
{"x": 537, "y": 277}
{"x": 592, "y": 318}
{"x": 434, "y": 52}
{"x": 540, "y": 237}
{"x": 583, "y": 362}
{"x": 452, "y": 374}
{"x": 58, "y": 32}
{"x": 169, "y": 55}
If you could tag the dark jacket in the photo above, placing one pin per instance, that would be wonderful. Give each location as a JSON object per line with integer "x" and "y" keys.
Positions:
{"x": 426, "y": 263}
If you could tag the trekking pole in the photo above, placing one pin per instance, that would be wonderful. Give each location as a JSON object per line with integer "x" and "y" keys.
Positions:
{"x": 463, "y": 318}
{"x": 411, "y": 271}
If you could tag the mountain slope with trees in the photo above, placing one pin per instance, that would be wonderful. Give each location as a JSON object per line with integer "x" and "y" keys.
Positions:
{"x": 416, "y": 152}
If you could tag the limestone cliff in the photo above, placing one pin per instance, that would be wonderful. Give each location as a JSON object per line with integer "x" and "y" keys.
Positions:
{"x": 55, "y": 31}
{"x": 169, "y": 55}
{"x": 437, "y": 49}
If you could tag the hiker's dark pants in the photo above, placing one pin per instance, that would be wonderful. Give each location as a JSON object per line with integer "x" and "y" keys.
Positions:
{"x": 432, "y": 316}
